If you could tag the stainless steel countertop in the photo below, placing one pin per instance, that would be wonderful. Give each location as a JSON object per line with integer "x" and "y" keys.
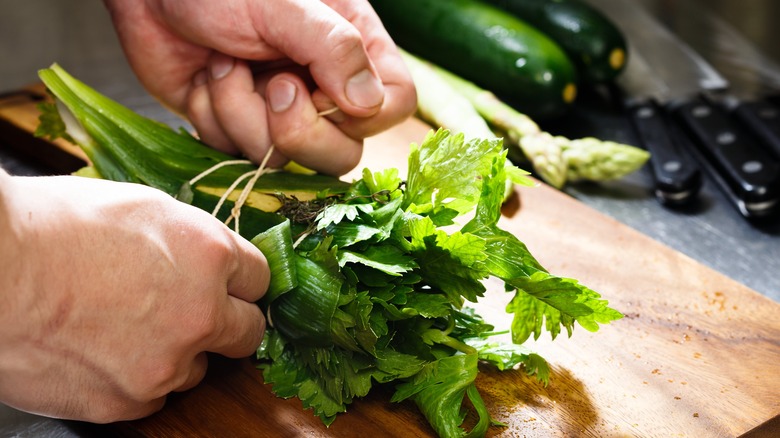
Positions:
{"x": 78, "y": 34}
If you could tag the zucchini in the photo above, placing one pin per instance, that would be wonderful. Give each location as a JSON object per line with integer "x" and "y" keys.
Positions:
{"x": 487, "y": 46}
{"x": 593, "y": 42}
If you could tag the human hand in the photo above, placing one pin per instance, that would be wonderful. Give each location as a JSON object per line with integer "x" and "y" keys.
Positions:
{"x": 249, "y": 73}
{"x": 111, "y": 293}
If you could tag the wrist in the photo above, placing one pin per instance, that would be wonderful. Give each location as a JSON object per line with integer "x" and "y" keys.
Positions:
{"x": 22, "y": 303}
{"x": 9, "y": 241}
{"x": 9, "y": 249}
{"x": 8, "y": 236}
{"x": 11, "y": 275}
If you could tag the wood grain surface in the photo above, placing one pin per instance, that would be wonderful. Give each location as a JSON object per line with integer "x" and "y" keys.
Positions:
{"x": 697, "y": 354}
{"x": 19, "y": 118}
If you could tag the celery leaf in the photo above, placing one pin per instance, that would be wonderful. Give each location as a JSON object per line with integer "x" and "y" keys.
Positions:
{"x": 385, "y": 258}
{"x": 446, "y": 169}
{"x": 439, "y": 390}
{"x": 51, "y": 125}
{"x": 559, "y": 302}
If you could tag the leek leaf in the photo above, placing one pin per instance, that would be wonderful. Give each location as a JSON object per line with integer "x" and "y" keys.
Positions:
{"x": 277, "y": 246}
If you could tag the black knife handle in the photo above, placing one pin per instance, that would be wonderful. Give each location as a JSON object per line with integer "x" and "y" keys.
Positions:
{"x": 762, "y": 118}
{"x": 677, "y": 177}
{"x": 747, "y": 171}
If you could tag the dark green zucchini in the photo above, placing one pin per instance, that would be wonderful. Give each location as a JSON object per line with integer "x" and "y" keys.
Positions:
{"x": 595, "y": 45}
{"x": 488, "y": 46}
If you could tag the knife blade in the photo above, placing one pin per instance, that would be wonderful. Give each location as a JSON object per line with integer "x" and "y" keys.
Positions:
{"x": 753, "y": 77}
{"x": 742, "y": 168}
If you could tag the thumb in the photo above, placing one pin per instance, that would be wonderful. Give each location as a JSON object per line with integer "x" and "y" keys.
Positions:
{"x": 332, "y": 47}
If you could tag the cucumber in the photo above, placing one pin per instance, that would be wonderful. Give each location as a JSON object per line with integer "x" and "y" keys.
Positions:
{"x": 487, "y": 46}
{"x": 593, "y": 42}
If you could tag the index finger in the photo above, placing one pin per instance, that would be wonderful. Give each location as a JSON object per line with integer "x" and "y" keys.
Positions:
{"x": 240, "y": 331}
{"x": 240, "y": 324}
{"x": 250, "y": 274}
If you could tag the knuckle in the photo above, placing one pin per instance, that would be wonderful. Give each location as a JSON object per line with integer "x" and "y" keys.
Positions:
{"x": 202, "y": 244}
{"x": 408, "y": 104}
{"x": 201, "y": 321}
{"x": 218, "y": 247}
{"x": 292, "y": 141}
{"x": 288, "y": 130}
{"x": 205, "y": 325}
{"x": 349, "y": 162}
{"x": 103, "y": 413}
{"x": 123, "y": 410}
{"x": 344, "y": 41}
{"x": 155, "y": 382}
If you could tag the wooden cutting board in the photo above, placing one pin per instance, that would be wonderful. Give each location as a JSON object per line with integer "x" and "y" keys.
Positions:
{"x": 697, "y": 354}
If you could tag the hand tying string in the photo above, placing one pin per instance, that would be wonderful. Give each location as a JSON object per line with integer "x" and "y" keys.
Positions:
{"x": 235, "y": 212}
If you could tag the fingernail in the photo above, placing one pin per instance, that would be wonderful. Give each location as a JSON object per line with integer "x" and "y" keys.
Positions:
{"x": 281, "y": 95}
{"x": 200, "y": 78}
{"x": 221, "y": 65}
{"x": 365, "y": 90}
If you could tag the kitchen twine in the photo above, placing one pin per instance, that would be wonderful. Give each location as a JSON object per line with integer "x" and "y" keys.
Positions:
{"x": 235, "y": 212}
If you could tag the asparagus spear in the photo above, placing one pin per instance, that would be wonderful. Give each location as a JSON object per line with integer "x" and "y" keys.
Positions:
{"x": 545, "y": 153}
{"x": 556, "y": 159}
{"x": 596, "y": 160}
{"x": 440, "y": 104}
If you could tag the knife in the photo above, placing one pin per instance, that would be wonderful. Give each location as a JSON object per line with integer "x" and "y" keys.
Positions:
{"x": 753, "y": 77}
{"x": 747, "y": 174}
{"x": 677, "y": 179}
{"x": 733, "y": 157}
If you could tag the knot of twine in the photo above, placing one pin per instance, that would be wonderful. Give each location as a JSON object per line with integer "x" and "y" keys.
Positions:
{"x": 254, "y": 175}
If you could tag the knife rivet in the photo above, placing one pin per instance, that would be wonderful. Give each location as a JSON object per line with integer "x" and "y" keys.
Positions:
{"x": 645, "y": 113}
{"x": 725, "y": 138}
{"x": 700, "y": 111}
{"x": 672, "y": 166}
{"x": 752, "y": 166}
